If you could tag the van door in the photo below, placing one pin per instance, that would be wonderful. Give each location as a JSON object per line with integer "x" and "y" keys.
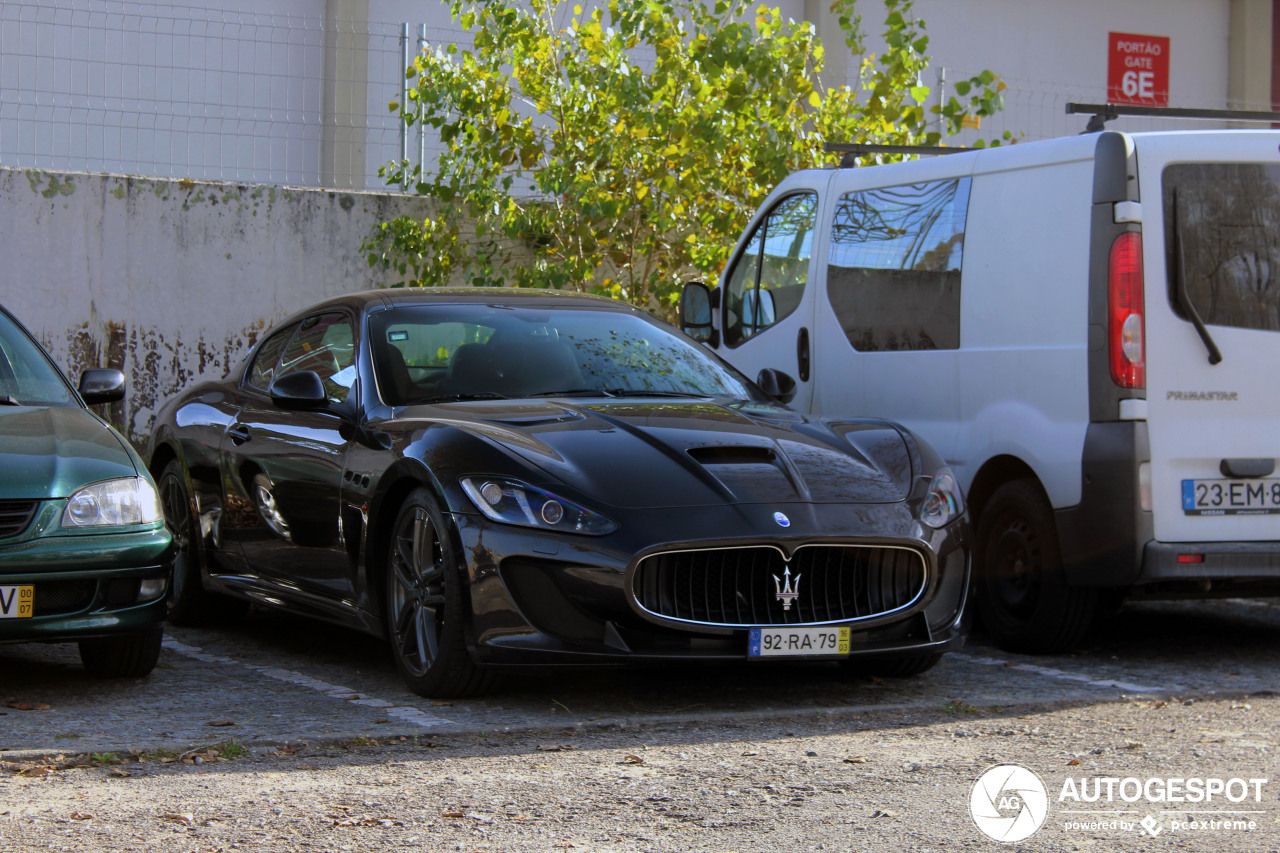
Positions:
{"x": 766, "y": 302}
{"x": 1211, "y": 224}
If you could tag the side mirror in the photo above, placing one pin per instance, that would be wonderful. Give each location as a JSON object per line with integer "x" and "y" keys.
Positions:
{"x": 777, "y": 385}
{"x": 695, "y": 313}
{"x": 101, "y": 385}
{"x": 298, "y": 391}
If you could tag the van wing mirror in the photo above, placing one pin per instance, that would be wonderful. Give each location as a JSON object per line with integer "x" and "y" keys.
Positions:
{"x": 777, "y": 385}
{"x": 696, "y": 303}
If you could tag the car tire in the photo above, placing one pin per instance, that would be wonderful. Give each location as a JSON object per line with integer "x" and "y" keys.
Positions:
{"x": 1021, "y": 592}
{"x": 189, "y": 603}
{"x": 425, "y": 606}
{"x": 128, "y": 656}
{"x": 896, "y": 666}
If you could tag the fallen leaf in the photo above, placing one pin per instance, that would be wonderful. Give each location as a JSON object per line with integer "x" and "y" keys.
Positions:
{"x": 631, "y": 759}
{"x": 553, "y": 747}
{"x": 221, "y": 723}
{"x": 29, "y": 706}
{"x": 186, "y": 818}
{"x": 884, "y": 813}
{"x": 452, "y": 814}
{"x": 857, "y": 759}
{"x": 119, "y": 772}
{"x": 1073, "y": 762}
{"x": 81, "y": 816}
{"x": 750, "y": 752}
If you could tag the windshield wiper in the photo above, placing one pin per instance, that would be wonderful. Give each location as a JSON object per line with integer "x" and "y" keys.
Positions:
{"x": 575, "y": 392}
{"x": 8, "y": 400}
{"x": 1181, "y": 298}
{"x": 460, "y": 398}
{"x": 646, "y": 392}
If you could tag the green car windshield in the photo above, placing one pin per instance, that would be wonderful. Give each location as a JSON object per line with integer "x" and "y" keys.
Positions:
{"x": 27, "y": 377}
{"x": 442, "y": 352}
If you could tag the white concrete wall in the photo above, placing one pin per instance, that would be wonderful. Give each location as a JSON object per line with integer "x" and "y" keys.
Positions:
{"x": 172, "y": 281}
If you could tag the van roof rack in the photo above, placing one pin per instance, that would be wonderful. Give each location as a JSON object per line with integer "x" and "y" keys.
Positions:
{"x": 852, "y": 150}
{"x": 1103, "y": 113}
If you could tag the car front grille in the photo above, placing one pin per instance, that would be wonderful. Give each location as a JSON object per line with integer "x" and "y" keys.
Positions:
{"x": 15, "y": 516}
{"x": 739, "y": 587}
{"x": 57, "y": 597}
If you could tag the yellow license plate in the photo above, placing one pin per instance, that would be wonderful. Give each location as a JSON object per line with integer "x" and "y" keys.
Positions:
{"x": 17, "y": 602}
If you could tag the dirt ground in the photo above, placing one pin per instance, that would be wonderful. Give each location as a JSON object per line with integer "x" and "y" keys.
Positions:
{"x": 879, "y": 781}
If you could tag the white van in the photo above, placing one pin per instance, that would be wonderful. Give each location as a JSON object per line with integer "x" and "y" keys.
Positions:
{"x": 1083, "y": 327}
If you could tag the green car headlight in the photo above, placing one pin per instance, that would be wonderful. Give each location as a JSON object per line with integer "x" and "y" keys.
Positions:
{"x": 113, "y": 503}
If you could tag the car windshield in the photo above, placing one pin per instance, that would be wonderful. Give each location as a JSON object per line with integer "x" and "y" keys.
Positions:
{"x": 425, "y": 353}
{"x": 27, "y": 377}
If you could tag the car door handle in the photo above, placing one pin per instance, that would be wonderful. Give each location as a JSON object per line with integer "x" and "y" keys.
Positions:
{"x": 239, "y": 434}
{"x": 802, "y": 354}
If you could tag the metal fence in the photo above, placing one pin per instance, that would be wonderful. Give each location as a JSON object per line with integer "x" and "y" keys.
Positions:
{"x": 169, "y": 90}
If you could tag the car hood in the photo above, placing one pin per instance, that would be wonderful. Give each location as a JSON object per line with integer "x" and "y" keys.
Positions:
{"x": 697, "y": 453}
{"x": 50, "y": 452}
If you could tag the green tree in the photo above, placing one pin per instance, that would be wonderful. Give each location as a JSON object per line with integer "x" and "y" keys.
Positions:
{"x": 623, "y": 152}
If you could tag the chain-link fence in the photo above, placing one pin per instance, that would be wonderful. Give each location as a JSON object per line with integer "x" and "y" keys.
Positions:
{"x": 178, "y": 91}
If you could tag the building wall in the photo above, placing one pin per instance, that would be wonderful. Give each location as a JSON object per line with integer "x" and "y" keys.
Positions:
{"x": 172, "y": 280}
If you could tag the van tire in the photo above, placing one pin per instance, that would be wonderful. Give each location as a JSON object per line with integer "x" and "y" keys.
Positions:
{"x": 1020, "y": 590}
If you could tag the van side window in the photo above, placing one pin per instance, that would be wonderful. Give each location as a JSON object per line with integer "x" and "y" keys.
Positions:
{"x": 768, "y": 278}
{"x": 893, "y": 272}
{"x": 1227, "y": 222}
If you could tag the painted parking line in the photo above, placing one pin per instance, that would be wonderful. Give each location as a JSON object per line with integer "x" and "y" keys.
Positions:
{"x": 1063, "y": 675}
{"x": 403, "y": 713}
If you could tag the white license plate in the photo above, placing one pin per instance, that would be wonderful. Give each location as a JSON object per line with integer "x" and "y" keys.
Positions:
{"x": 1231, "y": 497}
{"x": 797, "y": 642}
{"x": 17, "y": 602}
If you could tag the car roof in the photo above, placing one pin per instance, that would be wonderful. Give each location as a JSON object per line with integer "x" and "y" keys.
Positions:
{"x": 366, "y": 300}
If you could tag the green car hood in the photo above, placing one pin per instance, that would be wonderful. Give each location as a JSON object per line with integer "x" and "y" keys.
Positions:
{"x": 49, "y": 452}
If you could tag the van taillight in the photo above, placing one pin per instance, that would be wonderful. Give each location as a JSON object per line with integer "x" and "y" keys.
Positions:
{"x": 1125, "y": 320}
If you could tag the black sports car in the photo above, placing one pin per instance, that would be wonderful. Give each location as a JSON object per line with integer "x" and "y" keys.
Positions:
{"x": 493, "y": 477}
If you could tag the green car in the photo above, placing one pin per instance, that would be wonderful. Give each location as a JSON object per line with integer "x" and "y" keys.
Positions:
{"x": 84, "y": 552}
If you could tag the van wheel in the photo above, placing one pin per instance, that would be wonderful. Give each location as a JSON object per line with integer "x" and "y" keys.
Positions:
{"x": 1020, "y": 590}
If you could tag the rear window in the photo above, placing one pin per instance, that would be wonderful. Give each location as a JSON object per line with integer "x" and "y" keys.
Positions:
{"x": 1226, "y": 219}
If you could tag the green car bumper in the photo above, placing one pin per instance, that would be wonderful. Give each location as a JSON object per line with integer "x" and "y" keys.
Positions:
{"x": 81, "y": 585}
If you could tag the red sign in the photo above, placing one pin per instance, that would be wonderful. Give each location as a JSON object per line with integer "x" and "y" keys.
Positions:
{"x": 1138, "y": 70}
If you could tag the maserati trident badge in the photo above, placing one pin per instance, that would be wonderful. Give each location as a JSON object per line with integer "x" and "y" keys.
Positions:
{"x": 782, "y": 519}
{"x": 786, "y": 592}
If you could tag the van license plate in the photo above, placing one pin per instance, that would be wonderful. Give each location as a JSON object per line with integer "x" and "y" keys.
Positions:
{"x": 17, "y": 602}
{"x": 798, "y": 642}
{"x": 1231, "y": 497}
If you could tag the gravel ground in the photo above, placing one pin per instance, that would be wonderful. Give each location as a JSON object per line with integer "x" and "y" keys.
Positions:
{"x": 884, "y": 780}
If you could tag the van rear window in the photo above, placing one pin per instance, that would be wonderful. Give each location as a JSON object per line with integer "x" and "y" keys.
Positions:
{"x": 893, "y": 271}
{"x": 1227, "y": 225}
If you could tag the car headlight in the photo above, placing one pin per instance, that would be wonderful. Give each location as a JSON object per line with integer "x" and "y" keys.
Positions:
{"x": 111, "y": 503}
{"x": 513, "y": 502}
{"x": 943, "y": 503}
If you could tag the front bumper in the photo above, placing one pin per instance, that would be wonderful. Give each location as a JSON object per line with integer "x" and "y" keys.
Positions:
{"x": 551, "y": 599}
{"x": 88, "y": 585}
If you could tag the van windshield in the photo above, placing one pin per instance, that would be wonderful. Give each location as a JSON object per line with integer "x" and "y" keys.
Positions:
{"x": 1228, "y": 227}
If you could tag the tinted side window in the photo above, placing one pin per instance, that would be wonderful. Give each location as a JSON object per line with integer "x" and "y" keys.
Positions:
{"x": 768, "y": 278}
{"x": 263, "y": 369}
{"x": 1228, "y": 224}
{"x": 893, "y": 274}
{"x": 325, "y": 345}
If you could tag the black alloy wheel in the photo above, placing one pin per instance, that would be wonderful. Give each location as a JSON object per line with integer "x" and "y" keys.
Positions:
{"x": 188, "y": 601}
{"x": 425, "y": 605}
{"x": 1020, "y": 589}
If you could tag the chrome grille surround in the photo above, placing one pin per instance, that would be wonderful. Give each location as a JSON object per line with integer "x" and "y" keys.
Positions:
{"x": 737, "y": 586}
